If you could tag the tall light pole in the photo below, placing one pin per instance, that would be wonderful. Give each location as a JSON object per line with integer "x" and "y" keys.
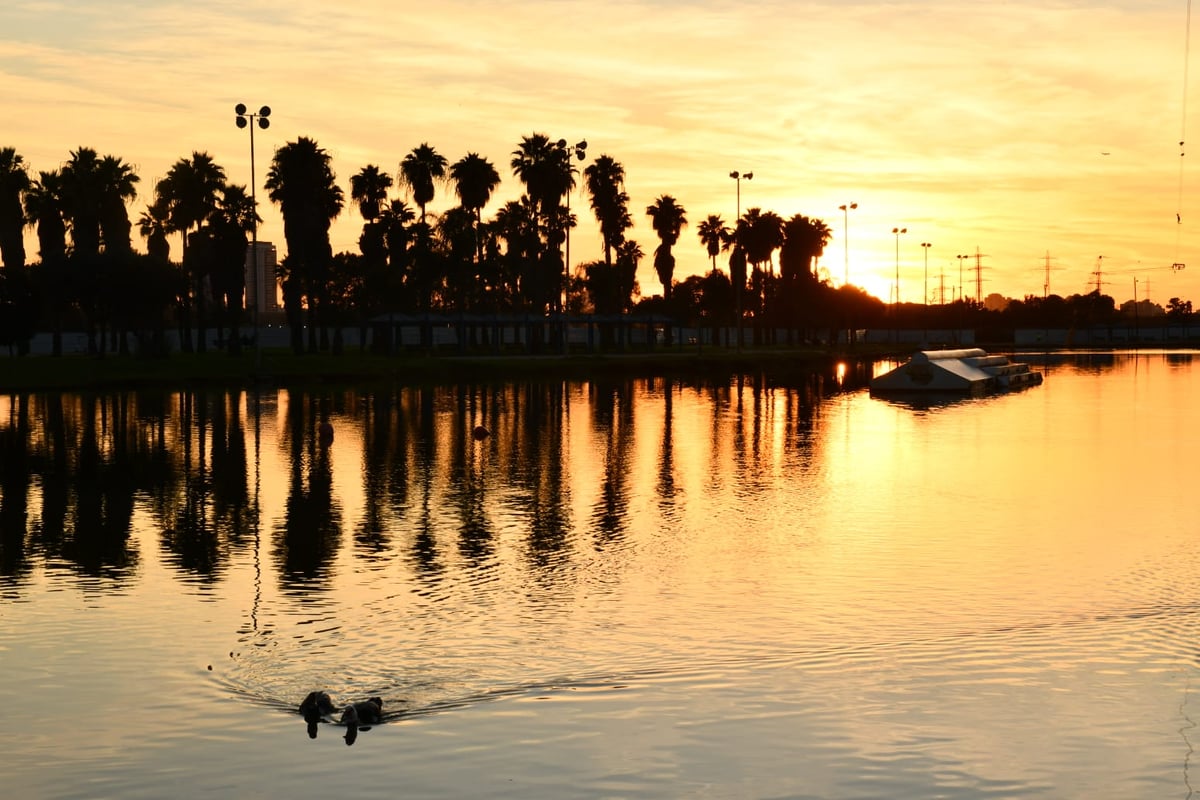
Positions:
{"x": 960, "y": 291}
{"x": 737, "y": 290}
{"x": 246, "y": 119}
{"x": 897, "y": 232}
{"x": 925, "y": 246}
{"x": 737, "y": 176}
{"x": 846, "y": 209}
{"x": 565, "y": 151}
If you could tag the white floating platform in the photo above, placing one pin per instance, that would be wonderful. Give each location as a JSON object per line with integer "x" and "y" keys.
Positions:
{"x": 970, "y": 371}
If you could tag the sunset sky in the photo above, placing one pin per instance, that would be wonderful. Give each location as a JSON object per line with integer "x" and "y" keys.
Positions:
{"x": 1010, "y": 129}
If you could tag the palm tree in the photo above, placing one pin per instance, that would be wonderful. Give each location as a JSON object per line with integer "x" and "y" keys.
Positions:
{"x": 301, "y": 181}
{"x": 475, "y": 179}
{"x": 629, "y": 256}
{"x": 191, "y": 190}
{"x": 538, "y": 163}
{"x": 605, "y": 180}
{"x": 368, "y": 188}
{"x": 45, "y": 208}
{"x": 804, "y": 241}
{"x": 14, "y": 183}
{"x": 119, "y": 184}
{"x": 667, "y": 218}
{"x": 82, "y": 190}
{"x": 715, "y": 236}
{"x": 420, "y": 170}
{"x": 154, "y": 225}
{"x": 760, "y": 234}
{"x": 228, "y": 228}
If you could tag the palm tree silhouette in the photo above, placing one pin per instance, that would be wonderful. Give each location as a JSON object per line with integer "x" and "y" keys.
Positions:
{"x": 368, "y": 188}
{"x": 191, "y": 190}
{"x": 667, "y": 218}
{"x": 475, "y": 179}
{"x": 605, "y": 180}
{"x": 118, "y": 184}
{"x": 301, "y": 182}
{"x": 14, "y": 182}
{"x": 715, "y": 236}
{"x": 420, "y": 170}
{"x": 45, "y": 208}
{"x": 154, "y": 226}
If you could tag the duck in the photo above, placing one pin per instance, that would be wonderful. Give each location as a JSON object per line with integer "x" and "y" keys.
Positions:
{"x": 317, "y": 705}
{"x": 365, "y": 712}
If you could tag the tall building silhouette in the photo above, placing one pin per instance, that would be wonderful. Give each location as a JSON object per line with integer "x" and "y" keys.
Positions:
{"x": 264, "y": 282}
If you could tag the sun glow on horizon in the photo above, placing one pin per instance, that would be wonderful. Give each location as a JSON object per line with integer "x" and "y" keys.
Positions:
{"x": 1009, "y": 145}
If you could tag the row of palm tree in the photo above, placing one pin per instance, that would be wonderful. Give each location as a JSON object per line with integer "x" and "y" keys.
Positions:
{"x": 408, "y": 260}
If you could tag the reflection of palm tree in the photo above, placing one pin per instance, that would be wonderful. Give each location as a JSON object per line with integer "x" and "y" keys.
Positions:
{"x": 668, "y": 218}
{"x": 14, "y": 182}
{"x": 420, "y": 170}
{"x": 715, "y": 236}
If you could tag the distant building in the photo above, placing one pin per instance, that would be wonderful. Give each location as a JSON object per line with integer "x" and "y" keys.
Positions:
{"x": 262, "y": 282}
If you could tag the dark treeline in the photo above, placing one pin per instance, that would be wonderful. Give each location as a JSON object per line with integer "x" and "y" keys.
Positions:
{"x": 88, "y": 275}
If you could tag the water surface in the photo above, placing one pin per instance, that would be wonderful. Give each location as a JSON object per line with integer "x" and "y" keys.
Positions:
{"x": 767, "y": 587}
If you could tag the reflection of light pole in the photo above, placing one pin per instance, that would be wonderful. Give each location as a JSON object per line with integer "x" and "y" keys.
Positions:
{"x": 245, "y": 120}
{"x": 737, "y": 293}
{"x": 846, "y": 209}
{"x": 897, "y": 232}
{"x": 926, "y": 246}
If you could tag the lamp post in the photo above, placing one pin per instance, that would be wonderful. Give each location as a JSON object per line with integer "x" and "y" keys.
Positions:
{"x": 846, "y": 209}
{"x": 737, "y": 176}
{"x": 737, "y": 290}
{"x": 246, "y": 119}
{"x": 565, "y": 151}
{"x": 925, "y": 246}
{"x": 960, "y": 289}
{"x": 897, "y": 232}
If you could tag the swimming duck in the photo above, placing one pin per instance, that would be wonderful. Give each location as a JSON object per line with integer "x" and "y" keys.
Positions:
{"x": 316, "y": 706}
{"x": 365, "y": 712}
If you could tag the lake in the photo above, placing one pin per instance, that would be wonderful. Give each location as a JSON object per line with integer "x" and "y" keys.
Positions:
{"x": 763, "y": 587}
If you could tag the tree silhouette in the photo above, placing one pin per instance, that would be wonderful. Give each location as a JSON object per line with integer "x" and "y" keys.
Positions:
{"x": 190, "y": 192}
{"x": 475, "y": 179}
{"x": 368, "y": 188}
{"x": 14, "y": 183}
{"x": 667, "y": 218}
{"x": 715, "y": 236}
{"x": 605, "y": 180}
{"x": 301, "y": 182}
{"x": 420, "y": 170}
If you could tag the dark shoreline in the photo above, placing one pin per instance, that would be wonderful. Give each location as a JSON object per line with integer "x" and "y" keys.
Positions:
{"x": 282, "y": 367}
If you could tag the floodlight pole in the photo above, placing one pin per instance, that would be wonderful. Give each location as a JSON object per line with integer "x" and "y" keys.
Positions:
{"x": 246, "y": 119}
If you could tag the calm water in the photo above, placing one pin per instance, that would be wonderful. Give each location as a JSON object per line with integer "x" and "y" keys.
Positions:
{"x": 643, "y": 589}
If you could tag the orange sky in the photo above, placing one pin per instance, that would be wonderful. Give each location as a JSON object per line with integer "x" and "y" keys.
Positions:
{"x": 975, "y": 126}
